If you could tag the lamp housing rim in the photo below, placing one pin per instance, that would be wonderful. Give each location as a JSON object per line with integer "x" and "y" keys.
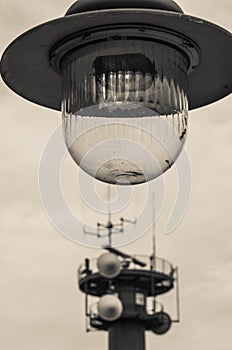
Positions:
{"x": 71, "y": 47}
{"x": 26, "y": 64}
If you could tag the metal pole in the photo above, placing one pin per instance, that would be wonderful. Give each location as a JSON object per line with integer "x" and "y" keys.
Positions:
{"x": 110, "y": 237}
{"x": 177, "y": 295}
{"x": 127, "y": 334}
{"x": 109, "y": 203}
{"x": 154, "y": 230}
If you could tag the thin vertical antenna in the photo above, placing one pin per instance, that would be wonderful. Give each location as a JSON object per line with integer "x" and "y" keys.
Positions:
{"x": 87, "y": 315}
{"x": 153, "y": 230}
{"x": 177, "y": 295}
{"x": 153, "y": 256}
{"x": 109, "y": 202}
{"x": 109, "y": 216}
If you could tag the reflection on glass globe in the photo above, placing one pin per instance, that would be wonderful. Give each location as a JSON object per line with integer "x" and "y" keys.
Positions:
{"x": 130, "y": 151}
{"x": 125, "y": 116}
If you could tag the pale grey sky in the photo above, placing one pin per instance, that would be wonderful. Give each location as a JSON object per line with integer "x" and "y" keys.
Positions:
{"x": 41, "y": 307}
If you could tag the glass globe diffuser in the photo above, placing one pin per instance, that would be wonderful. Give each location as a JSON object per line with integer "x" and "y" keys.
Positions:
{"x": 125, "y": 109}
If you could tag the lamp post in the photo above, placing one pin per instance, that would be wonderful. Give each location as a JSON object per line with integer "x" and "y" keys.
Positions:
{"x": 124, "y": 73}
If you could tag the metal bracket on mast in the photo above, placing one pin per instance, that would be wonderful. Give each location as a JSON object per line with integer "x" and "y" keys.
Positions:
{"x": 110, "y": 228}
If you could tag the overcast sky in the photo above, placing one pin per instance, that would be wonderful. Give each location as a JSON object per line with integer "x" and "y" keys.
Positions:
{"x": 40, "y": 305}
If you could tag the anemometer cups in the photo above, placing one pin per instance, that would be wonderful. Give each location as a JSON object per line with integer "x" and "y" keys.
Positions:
{"x": 110, "y": 308}
{"x": 122, "y": 70}
{"x": 109, "y": 265}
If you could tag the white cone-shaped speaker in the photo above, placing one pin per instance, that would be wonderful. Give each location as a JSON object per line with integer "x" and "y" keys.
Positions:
{"x": 108, "y": 265}
{"x": 110, "y": 308}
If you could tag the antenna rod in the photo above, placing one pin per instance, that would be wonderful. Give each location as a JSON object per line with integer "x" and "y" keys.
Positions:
{"x": 110, "y": 226}
{"x": 177, "y": 295}
{"x": 109, "y": 202}
{"x": 153, "y": 256}
{"x": 153, "y": 230}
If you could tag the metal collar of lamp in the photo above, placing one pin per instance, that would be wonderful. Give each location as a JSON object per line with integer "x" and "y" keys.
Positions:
{"x": 113, "y": 61}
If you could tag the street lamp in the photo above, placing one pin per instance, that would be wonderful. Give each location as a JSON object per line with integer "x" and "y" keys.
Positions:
{"x": 124, "y": 74}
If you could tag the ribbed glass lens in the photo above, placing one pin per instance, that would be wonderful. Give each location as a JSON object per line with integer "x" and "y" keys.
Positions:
{"x": 125, "y": 112}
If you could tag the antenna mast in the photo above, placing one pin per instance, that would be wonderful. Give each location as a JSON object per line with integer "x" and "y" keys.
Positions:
{"x": 109, "y": 202}
{"x": 153, "y": 231}
{"x": 110, "y": 227}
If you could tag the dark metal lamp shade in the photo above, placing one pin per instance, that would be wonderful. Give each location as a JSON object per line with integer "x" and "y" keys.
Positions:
{"x": 26, "y": 64}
